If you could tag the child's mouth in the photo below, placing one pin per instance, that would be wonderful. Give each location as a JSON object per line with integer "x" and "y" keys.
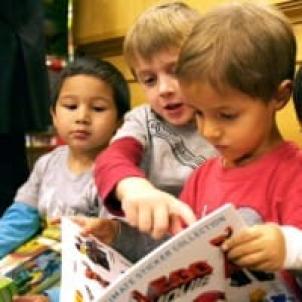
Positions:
{"x": 173, "y": 106}
{"x": 79, "y": 134}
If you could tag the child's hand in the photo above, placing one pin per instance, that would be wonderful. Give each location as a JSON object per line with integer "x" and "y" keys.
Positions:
{"x": 104, "y": 230}
{"x": 30, "y": 298}
{"x": 260, "y": 247}
{"x": 151, "y": 210}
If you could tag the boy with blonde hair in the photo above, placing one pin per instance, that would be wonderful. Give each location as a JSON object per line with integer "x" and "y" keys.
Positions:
{"x": 158, "y": 141}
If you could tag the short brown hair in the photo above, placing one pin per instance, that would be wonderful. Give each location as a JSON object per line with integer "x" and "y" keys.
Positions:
{"x": 162, "y": 26}
{"x": 248, "y": 47}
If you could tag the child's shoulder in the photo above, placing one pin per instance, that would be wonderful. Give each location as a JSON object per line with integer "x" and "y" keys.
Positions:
{"x": 53, "y": 156}
{"x": 289, "y": 162}
{"x": 57, "y": 151}
{"x": 139, "y": 111}
{"x": 291, "y": 153}
{"x": 139, "y": 115}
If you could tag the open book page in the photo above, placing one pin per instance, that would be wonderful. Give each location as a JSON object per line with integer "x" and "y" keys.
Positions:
{"x": 188, "y": 267}
{"x": 88, "y": 266}
{"x": 192, "y": 267}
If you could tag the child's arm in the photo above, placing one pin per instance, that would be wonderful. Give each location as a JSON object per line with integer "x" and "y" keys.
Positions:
{"x": 118, "y": 161}
{"x": 260, "y": 247}
{"x": 151, "y": 210}
{"x": 19, "y": 222}
{"x": 122, "y": 185}
{"x": 122, "y": 158}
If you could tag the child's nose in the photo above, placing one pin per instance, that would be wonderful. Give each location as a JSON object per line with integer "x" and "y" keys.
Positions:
{"x": 210, "y": 130}
{"x": 82, "y": 115}
{"x": 166, "y": 85}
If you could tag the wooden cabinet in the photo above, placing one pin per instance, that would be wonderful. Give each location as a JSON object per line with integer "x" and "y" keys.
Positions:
{"x": 97, "y": 20}
{"x": 100, "y": 20}
{"x": 293, "y": 10}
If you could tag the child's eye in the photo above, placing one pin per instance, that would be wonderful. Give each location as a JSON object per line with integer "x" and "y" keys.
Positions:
{"x": 228, "y": 116}
{"x": 70, "y": 106}
{"x": 98, "y": 108}
{"x": 148, "y": 81}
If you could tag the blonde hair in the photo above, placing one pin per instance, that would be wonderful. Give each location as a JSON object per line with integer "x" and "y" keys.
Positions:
{"x": 248, "y": 47}
{"x": 160, "y": 27}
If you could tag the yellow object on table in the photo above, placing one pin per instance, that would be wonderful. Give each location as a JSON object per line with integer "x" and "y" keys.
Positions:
{"x": 7, "y": 289}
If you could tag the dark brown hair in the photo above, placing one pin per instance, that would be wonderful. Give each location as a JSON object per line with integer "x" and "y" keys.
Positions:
{"x": 248, "y": 47}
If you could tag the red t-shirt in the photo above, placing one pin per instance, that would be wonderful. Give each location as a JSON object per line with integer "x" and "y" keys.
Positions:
{"x": 118, "y": 161}
{"x": 266, "y": 190}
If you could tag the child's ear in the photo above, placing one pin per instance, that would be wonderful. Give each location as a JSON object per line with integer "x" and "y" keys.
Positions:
{"x": 283, "y": 93}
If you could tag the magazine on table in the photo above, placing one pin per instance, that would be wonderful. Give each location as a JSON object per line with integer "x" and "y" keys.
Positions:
{"x": 35, "y": 265}
{"x": 190, "y": 266}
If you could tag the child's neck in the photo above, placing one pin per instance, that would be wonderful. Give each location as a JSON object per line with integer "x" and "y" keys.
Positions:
{"x": 80, "y": 163}
{"x": 246, "y": 159}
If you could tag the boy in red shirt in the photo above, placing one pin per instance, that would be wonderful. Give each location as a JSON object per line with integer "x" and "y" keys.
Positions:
{"x": 236, "y": 92}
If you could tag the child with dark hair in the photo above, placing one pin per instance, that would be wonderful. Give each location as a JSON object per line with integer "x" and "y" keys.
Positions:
{"x": 91, "y": 99}
{"x": 103, "y": 71}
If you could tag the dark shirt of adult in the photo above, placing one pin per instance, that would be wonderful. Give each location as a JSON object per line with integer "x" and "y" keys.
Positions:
{"x": 23, "y": 89}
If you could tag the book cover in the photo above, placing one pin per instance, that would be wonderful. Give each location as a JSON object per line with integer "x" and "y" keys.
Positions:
{"x": 192, "y": 267}
{"x": 34, "y": 266}
{"x": 37, "y": 273}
